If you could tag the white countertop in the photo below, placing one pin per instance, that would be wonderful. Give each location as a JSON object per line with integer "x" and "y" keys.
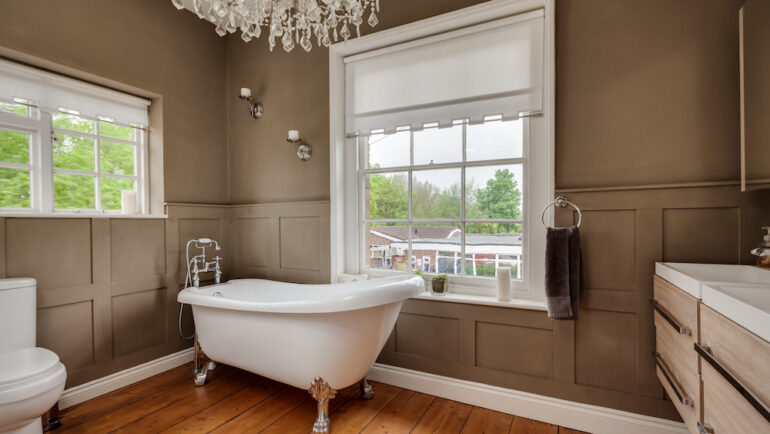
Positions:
{"x": 739, "y": 292}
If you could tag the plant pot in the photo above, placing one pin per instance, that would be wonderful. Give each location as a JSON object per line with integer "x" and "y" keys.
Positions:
{"x": 439, "y": 286}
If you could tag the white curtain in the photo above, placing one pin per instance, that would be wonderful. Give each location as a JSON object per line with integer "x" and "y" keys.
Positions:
{"x": 488, "y": 69}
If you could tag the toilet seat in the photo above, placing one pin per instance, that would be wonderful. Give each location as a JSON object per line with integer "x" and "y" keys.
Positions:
{"x": 29, "y": 372}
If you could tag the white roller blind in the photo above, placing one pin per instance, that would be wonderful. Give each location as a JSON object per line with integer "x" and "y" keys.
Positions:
{"x": 52, "y": 92}
{"x": 491, "y": 68}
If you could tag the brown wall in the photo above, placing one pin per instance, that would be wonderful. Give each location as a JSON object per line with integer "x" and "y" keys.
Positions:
{"x": 151, "y": 47}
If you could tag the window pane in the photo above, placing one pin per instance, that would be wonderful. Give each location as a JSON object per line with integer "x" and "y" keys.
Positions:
{"x": 438, "y": 145}
{"x": 492, "y": 245}
{"x": 436, "y": 193}
{"x": 14, "y": 188}
{"x": 73, "y": 191}
{"x": 493, "y": 192}
{"x": 111, "y": 188}
{"x": 14, "y": 147}
{"x": 17, "y": 109}
{"x": 387, "y": 246}
{"x": 389, "y": 150}
{"x": 494, "y": 140}
{"x": 116, "y": 131}
{"x": 71, "y": 122}
{"x": 116, "y": 158}
{"x": 73, "y": 152}
{"x": 436, "y": 247}
{"x": 387, "y": 195}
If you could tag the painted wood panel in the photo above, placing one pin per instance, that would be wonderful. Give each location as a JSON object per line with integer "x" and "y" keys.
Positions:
{"x": 523, "y": 350}
{"x": 427, "y": 336}
{"x": 137, "y": 248}
{"x": 707, "y": 235}
{"x": 67, "y": 330}
{"x": 254, "y": 241}
{"x": 56, "y": 252}
{"x": 138, "y": 321}
{"x": 606, "y": 350}
{"x": 608, "y": 243}
{"x": 300, "y": 243}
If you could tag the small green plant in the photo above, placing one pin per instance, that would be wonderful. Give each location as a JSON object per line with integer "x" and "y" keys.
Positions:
{"x": 439, "y": 284}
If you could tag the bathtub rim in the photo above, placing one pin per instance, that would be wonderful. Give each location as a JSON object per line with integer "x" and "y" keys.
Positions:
{"x": 346, "y": 297}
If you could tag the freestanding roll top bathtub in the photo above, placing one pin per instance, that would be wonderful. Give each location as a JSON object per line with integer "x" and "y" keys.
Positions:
{"x": 325, "y": 337}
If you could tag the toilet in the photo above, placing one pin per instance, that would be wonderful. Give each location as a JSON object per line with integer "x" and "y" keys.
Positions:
{"x": 31, "y": 378}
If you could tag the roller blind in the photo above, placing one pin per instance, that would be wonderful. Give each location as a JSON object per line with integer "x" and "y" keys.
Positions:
{"x": 52, "y": 92}
{"x": 488, "y": 69}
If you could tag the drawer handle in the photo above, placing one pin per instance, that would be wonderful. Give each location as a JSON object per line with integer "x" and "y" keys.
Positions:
{"x": 705, "y": 352}
{"x": 682, "y": 330}
{"x": 685, "y": 400}
{"x": 705, "y": 428}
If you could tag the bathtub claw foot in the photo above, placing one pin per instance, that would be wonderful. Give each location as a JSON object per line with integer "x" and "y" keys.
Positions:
{"x": 367, "y": 391}
{"x": 201, "y": 368}
{"x": 322, "y": 393}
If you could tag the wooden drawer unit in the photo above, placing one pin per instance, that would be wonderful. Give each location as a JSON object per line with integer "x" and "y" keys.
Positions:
{"x": 735, "y": 368}
{"x": 676, "y": 331}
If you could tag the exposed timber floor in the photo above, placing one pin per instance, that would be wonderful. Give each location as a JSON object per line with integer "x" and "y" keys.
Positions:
{"x": 236, "y": 401}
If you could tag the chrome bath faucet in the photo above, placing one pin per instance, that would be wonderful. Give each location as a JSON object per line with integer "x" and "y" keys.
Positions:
{"x": 198, "y": 264}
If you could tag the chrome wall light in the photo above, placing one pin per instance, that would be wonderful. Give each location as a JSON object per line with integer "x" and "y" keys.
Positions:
{"x": 255, "y": 108}
{"x": 304, "y": 151}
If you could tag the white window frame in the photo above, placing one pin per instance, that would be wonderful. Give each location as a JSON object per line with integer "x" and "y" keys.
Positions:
{"x": 347, "y": 237}
{"x": 39, "y": 124}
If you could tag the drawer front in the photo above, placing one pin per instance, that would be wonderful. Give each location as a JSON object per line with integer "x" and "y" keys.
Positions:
{"x": 725, "y": 410}
{"x": 677, "y": 369}
{"x": 679, "y": 309}
{"x": 744, "y": 354}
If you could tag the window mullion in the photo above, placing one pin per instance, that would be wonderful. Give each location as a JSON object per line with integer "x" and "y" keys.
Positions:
{"x": 43, "y": 166}
{"x": 97, "y": 179}
{"x": 463, "y": 226}
{"x": 409, "y": 196}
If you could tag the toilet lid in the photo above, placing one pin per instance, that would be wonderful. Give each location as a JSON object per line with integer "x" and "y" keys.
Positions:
{"x": 19, "y": 365}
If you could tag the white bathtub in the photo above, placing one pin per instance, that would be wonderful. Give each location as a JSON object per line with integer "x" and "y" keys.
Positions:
{"x": 296, "y": 333}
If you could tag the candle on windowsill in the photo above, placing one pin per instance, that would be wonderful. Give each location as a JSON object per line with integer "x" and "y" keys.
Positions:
{"x": 128, "y": 202}
{"x": 504, "y": 284}
{"x": 294, "y": 135}
{"x": 245, "y": 92}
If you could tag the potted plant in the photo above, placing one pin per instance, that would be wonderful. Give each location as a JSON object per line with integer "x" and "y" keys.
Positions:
{"x": 440, "y": 284}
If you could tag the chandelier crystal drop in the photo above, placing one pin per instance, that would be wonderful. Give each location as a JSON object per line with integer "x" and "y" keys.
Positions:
{"x": 292, "y": 22}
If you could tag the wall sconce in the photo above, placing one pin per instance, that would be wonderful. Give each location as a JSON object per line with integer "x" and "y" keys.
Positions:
{"x": 255, "y": 109}
{"x": 304, "y": 151}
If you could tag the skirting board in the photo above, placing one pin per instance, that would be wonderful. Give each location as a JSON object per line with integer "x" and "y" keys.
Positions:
{"x": 100, "y": 386}
{"x": 575, "y": 415}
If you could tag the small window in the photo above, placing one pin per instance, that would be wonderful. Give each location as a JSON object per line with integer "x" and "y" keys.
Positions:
{"x": 60, "y": 153}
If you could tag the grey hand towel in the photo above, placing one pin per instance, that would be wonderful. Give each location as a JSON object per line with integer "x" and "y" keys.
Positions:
{"x": 563, "y": 269}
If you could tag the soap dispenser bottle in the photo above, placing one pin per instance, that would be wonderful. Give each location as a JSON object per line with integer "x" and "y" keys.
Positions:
{"x": 763, "y": 251}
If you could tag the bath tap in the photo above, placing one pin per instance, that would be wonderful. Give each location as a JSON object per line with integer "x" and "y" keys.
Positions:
{"x": 198, "y": 264}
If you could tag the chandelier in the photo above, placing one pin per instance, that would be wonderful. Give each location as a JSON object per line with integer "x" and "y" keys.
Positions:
{"x": 292, "y": 21}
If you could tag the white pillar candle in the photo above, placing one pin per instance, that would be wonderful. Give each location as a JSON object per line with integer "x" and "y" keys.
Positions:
{"x": 293, "y": 135}
{"x": 504, "y": 284}
{"x": 128, "y": 202}
{"x": 245, "y": 92}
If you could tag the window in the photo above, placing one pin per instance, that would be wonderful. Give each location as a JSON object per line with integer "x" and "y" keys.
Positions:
{"x": 447, "y": 157}
{"x": 67, "y": 146}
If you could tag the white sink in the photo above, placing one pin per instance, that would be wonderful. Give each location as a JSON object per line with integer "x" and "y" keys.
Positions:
{"x": 747, "y": 305}
{"x": 691, "y": 277}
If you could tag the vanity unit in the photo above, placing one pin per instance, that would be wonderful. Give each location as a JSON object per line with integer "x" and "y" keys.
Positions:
{"x": 712, "y": 331}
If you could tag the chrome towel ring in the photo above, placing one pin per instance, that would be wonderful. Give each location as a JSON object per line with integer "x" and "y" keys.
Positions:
{"x": 561, "y": 202}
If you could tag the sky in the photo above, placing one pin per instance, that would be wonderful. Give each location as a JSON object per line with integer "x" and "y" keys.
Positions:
{"x": 487, "y": 141}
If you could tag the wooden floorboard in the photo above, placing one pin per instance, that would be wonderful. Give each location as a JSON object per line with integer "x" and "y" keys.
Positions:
{"x": 236, "y": 401}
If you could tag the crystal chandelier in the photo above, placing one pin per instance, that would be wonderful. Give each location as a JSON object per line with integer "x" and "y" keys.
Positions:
{"x": 293, "y": 21}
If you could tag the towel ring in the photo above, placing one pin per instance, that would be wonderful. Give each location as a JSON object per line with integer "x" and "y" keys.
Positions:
{"x": 561, "y": 202}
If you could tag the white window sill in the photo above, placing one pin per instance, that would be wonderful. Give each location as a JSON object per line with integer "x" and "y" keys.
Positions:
{"x": 516, "y": 303}
{"x": 84, "y": 215}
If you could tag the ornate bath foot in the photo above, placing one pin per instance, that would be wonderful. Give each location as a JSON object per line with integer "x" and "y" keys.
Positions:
{"x": 322, "y": 393}
{"x": 367, "y": 391}
{"x": 201, "y": 367}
